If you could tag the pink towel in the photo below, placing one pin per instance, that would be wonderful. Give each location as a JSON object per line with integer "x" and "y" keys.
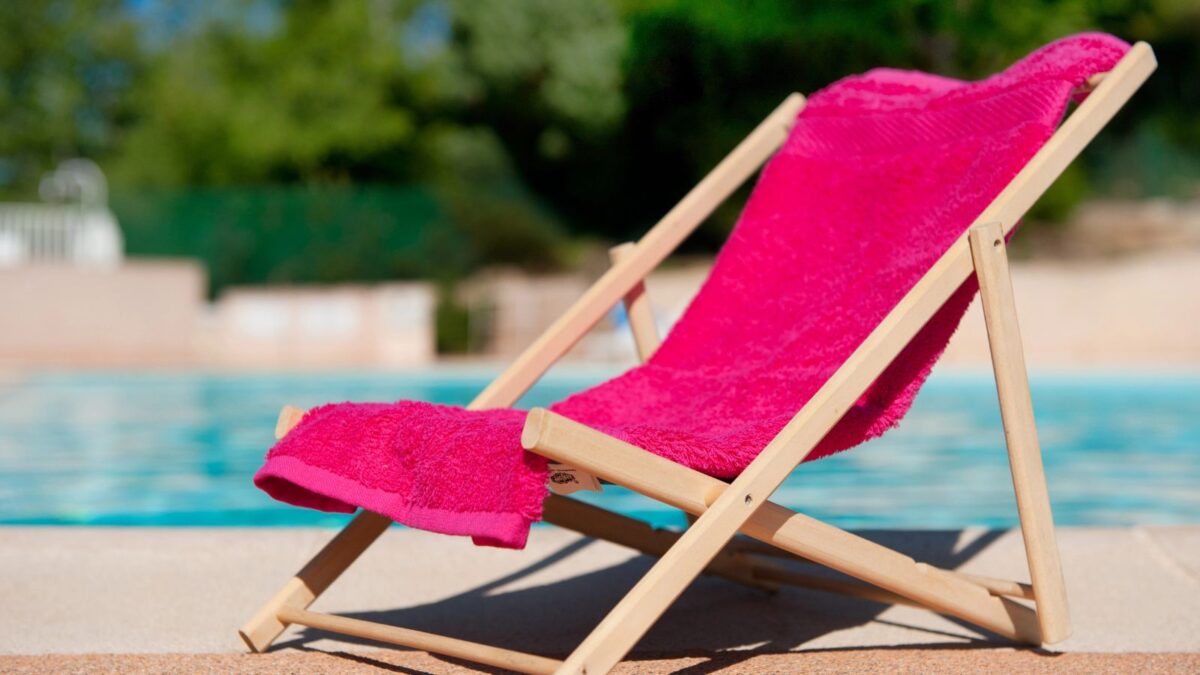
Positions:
{"x": 880, "y": 175}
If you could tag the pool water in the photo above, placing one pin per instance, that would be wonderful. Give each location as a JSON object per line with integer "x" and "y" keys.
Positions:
{"x": 180, "y": 449}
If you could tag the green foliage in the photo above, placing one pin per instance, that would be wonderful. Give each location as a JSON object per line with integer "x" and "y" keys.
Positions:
{"x": 701, "y": 74}
{"x": 545, "y": 58}
{"x": 311, "y": 100}
{"x": 1063, "y": 196}
{"x": 545, "y": 79}
{"x": 495, "y": 132}
{"x": 66, "y": 73}
{"x": 486, "y": 203}
{"x": 452, "y": 323}
{"x": 289, "y": 234}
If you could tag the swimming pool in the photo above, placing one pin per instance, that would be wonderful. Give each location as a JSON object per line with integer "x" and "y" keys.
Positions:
{"x": 180, "y": 449}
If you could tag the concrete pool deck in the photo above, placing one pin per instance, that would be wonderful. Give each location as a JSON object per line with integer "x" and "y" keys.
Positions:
{"x": 159, "y": 599}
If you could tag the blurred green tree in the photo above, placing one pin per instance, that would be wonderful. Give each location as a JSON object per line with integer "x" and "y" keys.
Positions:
{"x": 66, "y": 73}
{"x": 424, "y": 138}
{"x": 309, "y": 97}
{"x": 701, "y": 74}
{"x": 324, "y": 94}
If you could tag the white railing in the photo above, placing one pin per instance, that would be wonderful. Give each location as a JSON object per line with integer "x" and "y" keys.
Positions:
{"x": 71, "y": 233}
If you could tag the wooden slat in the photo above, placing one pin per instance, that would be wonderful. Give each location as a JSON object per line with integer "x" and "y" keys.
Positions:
{"x": 740, "y": 561}
{"x": 1005, "y": 587}
{"x": 1091, "y": 83}
{"x": 289, "y": 417}
{"x": 638, "y": 309}
{"x": 593, "y": 521}
{"x": 641, "y": 319}
{"x": 645, "y": 339}
{"x": 779, "y": 574}
{"x": 430, "y": 642}
{"x": 1020, "y": 431}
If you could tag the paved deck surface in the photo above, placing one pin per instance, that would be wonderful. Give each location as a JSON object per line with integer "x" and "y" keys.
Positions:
{"x": 910, "y": 661}
{"x": 73, "y": 598}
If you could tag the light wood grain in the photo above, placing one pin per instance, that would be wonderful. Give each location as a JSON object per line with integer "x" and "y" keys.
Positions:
{"x": 301, "y": 590}
{"x": 1020, "y": 431}
{"x": 430, "y": 642}
{"x": 593, "y": 521}
{"x": 638, "y": 309}
{"x": 781, "y": 575}
{"x": 640, "y": 317}
{"x": 289, "y": 417}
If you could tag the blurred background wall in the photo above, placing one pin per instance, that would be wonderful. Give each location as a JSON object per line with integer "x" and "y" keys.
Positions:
{"x": 469, "y": 149}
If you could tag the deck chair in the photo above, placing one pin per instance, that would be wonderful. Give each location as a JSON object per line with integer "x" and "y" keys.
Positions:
{"x": 1034, "y": 612}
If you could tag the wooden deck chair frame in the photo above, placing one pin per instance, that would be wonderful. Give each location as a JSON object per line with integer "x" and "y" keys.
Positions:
{"x": 722, "y": 510}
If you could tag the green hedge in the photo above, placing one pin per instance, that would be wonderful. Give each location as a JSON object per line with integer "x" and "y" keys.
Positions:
{"x": 289, "y": 234}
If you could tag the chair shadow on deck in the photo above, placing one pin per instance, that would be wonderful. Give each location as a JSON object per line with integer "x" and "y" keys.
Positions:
{"x": 712, "y": 617}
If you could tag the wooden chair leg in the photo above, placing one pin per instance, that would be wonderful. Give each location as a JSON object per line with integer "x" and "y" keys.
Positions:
{"x": 1020, "y": 433}
{"x": 301, "y": 590}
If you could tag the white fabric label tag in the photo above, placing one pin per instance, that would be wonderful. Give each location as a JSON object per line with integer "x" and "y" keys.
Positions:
{"x": 565, "y": 479}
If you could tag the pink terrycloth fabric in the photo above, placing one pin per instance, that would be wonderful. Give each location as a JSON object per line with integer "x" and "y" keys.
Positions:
{"x": 880, "y": 175}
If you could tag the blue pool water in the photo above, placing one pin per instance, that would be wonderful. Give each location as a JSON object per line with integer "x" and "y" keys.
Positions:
{"x": 180, "y": 449}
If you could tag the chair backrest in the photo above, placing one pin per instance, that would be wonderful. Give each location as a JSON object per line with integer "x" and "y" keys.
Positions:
{"x": 882, "y": 172}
